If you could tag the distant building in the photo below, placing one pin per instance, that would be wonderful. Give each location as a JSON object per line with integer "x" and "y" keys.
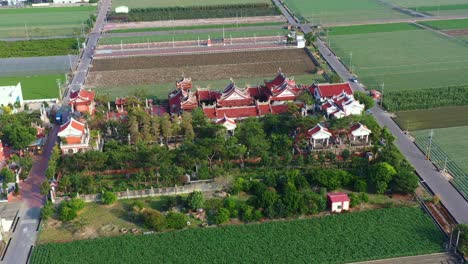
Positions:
{"x": 70, "y": 1}
{"x": 338, "y": 202}
{"x": 122, "y": 10}
{"x": 319, "y": 136}
{"x": 11, "y": 94}
{"x": 82, "y": 101}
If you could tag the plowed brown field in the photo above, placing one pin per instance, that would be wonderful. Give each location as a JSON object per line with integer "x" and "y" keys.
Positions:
{"x": 201, "y": 67}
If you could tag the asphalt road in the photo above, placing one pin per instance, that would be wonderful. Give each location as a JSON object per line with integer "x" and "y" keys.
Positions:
{"x": 449, "y": 196}
{"x": 25, "y": 234}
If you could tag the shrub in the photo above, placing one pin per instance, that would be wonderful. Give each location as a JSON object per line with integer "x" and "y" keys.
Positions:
{"x": 195, "y": 200}
{"x": 154, "y": 219}
{"x": 176, "y": 220}
{"x": 360, "y": 185}
{"x": 355, "y": 200}
{"x": 108, "y": 197}
{"x": 222, "y": 216}
{"x": 66, "y": 213}
{"x": 47, "y": 211}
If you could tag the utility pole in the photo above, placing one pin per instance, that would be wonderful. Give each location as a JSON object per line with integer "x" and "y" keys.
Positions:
{"x": 445, "y": 164}
{"x": 27, "y": 33}
{"x": 121, "y": 45}
{"x": 60, "y": 89}
{"x": 431, "y": 134}
{"x": 456, "y": 243}
{"x": 70, "y": 62}
{"x": 381, "y": 97}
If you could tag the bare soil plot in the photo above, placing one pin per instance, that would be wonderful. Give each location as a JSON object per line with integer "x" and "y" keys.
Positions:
{"x": 456, "y": 32}
{"x": 164, "y": 69}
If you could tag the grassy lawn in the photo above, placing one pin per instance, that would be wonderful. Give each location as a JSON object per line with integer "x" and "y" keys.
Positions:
{"x": 192, "y": 36}
{"x": 376, "y": 28}
{"x": 332, "y": 11}
{"x": 414, "y": 59}
{"x": 433, "y": 118}
{"x": 447, "y": 24}
{"x": 386, "y": 233}
{"x": 36, "y": 87}
{"x": 226, "y": 26}
{"x": 162, "y": 90}
{"x": 174, "y": 3}
{"x": 39, "y": 22}
{"x": 451, "y": 144}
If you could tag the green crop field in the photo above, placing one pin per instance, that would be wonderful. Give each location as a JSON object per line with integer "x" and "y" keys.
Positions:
{"x": 192, "y": 36}
{"x": 41, "y": 47}
{"x": 433, "y": 118}
{"x": 226, "y": 26}
{"x": 426, "y": 3}
{"x": 413, "y": 59}
{"x": 184, "y": 3}
{"x": 447, "y": 24}
{"x": 161, "y": 90}
{"x": 448, "y": 144}
{"x": 341, "y": 238}
{"x": 339, "y": 11}
{"x": 36, "y": 87}
{"x": 43, "y": 22}
{"x": 375, "y": 28}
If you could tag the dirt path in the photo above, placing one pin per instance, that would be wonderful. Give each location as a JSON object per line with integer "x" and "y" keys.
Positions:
{"x": 191, "y": 22}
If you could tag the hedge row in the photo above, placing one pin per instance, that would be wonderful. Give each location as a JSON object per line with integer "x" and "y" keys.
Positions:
{"x": 196, "y": 12}
{"x": 426, "y": 98}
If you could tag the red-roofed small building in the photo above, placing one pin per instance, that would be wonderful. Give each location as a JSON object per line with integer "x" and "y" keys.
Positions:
{"x": 319, "y": 136}
{"x": 184, "y": 84}
{"x": 338, "y": 202}
{"x": 74, "y": 137}
{"x": 359, "y": 134}
{"x": 228, "y": 123}
{"x": 324, "y": 91}
{"x": 82, "y": 101}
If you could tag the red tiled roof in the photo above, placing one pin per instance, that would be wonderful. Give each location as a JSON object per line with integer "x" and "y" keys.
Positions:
{"x": 279, "y": 109}
{"x": 207, "y": 95}
{"x": 210, "y": 112}
{"x": 278, "y": 80}
{"x": 334, "y": 89}
{"x": 83, "y": 94}
{"x": 316, "y": 129}
{"x": 338, "y": 197}
{"x": 120, "y": 101}
{"x": 226, "y": 119}
{"x": 238, "y": 112}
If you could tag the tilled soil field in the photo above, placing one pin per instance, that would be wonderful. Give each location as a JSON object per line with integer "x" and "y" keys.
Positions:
{"x": 456, "y": 32}
{"x": 200, "y": 67}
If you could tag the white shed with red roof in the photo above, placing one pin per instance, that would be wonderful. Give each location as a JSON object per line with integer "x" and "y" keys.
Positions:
{"x": 338, "y": 202}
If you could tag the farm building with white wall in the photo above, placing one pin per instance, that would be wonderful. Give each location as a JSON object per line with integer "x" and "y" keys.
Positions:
{"x": 11, "y": 95}
{"x": 122, "y": 10}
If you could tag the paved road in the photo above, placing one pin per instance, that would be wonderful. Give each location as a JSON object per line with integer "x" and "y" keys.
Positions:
{"x": 438, "y": 258}
{"x": 25, "y": 234}
{"x": 86, "y": 57}
{"x": 449, "y": 196}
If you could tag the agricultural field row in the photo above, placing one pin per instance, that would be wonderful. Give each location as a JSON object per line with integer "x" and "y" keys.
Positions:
{"x": 420, "y": 59}
{"x": 226, "y": 26}
{"x": 447, "y": 24}
{"x": 337, "y": 11}
{"x": 423, "y": 3}
{"x": 200, "y": 67}
{"x": 181, "y": 3}
{"x": 373, "y": 28}
{"x": 36, "y": 65}
{"x": 318, "y": 240}
{"x": 192, "y": 36}
{"x": 37, "y": 86}
{"x": 433, "y": 118}
{"x": 35, "y": 48}
{"x": 161, "y": 90}
{"x": 43, "y": 22}
{"x": 441, "y": 7}
{"x": 447, "y": 149}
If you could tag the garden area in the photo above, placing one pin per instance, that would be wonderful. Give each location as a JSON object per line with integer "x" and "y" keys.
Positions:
{"x": 383, "y": 236}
